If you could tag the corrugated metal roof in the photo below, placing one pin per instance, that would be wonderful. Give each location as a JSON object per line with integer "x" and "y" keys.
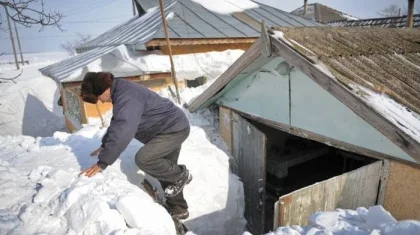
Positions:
{"x": 65, "y": 68}
{"x": 383, "y": 59}
{"x": 388, "y": 22}
{"x": 192, "y": 20}
{"x": 135, "y": 30}
{"x": 186, "y": 19}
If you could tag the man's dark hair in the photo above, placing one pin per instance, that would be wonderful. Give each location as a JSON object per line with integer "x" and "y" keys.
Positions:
{"x": 94, "y": 84}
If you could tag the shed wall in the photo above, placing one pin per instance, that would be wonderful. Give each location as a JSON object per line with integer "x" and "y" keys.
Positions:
{"x": 307, "y": 106}
{"x": 402, "y": 197}
{"x": 191, "y": 49}
{"x": 264, "y": 93}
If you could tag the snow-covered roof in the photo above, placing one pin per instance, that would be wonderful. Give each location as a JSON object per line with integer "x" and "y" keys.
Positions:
{"x": 388, "y": 22}
{"x": 377, "y": 79}
{"x": 61, "y": 70}
{"x": 197, "y": 19}
{"x": 323, "y": 14}
{"x": 134, "y": 31}
{"x": 362, "y": 56}
{"x": 190, "y": 19}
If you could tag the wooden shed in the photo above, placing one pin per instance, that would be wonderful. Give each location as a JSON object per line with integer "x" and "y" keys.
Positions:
{"x": 322, "y": 118}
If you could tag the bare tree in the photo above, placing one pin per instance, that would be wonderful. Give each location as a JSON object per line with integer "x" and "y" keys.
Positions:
{"x": 30, "y": 12}
{"x": 10, "y": 78}
{"x": 390, "y": 11}
{"x": 71, "y": 46}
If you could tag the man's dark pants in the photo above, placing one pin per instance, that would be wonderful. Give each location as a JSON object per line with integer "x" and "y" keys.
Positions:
{"x": 159, "y": 158}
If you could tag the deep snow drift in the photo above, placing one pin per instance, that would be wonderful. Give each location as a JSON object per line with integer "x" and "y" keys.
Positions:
{"x": 40, "y": 191}
{"x": 372, "y": 221}
{"x": 124, "y": 62}
{"x": 29, "y": 106}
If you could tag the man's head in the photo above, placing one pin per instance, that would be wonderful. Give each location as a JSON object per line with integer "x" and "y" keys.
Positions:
{"x": 96, "y": 86}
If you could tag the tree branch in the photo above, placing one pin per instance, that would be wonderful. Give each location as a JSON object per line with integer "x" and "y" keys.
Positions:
{"x": 12, "y": 78}
{"x": 23, "y": 12}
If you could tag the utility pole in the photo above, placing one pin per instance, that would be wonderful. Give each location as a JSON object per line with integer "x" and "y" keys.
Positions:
{"x": 11, "y": 37}
{"x": 305, "y": 7}
{"x": 165, "y": 26}
{"x": 410, "y": 16}
{"x": 20, "y": 48}
{"x": 134, "y": 7}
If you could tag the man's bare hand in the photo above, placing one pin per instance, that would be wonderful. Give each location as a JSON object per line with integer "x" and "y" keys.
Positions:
{"x": 89, "y": 172}
{"x": 96, "y": 152}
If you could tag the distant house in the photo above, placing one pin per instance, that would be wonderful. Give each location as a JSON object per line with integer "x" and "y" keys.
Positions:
{"x": 322, "y": 14}
{"x": 388, "y": 22}
{"x": 192, "y": 29}
{"x": 322, "y": 118}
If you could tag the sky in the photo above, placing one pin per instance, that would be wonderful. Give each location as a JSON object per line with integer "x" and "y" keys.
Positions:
{"x": 93, "y": 17}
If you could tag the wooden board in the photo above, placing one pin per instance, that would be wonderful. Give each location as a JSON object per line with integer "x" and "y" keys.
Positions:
{"x": 402, "y": 196}
{"x": 249, "y": 155}
{"x": 358, "y": 188}
{"x": 225, "y": 126}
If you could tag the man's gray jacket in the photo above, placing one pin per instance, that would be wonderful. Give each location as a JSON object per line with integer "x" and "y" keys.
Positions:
{"x": 137, "y": 113}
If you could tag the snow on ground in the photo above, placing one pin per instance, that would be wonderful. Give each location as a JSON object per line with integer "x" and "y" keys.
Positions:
{"x": 29, "y": 106}
{"x": 373, "y": 221}
{"x": 40, "y": 191}
{"x": 123, "y": 62}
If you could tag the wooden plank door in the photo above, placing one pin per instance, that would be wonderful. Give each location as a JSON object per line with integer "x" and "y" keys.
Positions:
{"x": 358, "y": 188}
{"x": 249, "y": 152}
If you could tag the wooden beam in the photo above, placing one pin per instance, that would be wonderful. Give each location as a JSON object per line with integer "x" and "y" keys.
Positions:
{"x": 410, "y": 14}
{"x": 322, "y": 139}
{"x": 237, "y": 67}
{"x": 168, "y": 42}
{"x": 265, "y": 41}
{"x": 199, "y": 41}
{"x": 345, "y": 96}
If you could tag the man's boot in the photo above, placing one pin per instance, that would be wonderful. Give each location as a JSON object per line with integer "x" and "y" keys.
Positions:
{"x": 178, "y": 212}
{"x": 174, "y": 189}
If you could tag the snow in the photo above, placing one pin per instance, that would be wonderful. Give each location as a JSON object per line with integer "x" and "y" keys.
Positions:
{"x": 39, "y": 179}
{"x": 41, "y": 191}
{"x": 227, "y": 6}
{"x": 402, "y": 117}
{"x": 362, "y": 221}
{"x": 349, "y": 17}
{"x": 29, "y": 106}
{"x": 125, "y": 62}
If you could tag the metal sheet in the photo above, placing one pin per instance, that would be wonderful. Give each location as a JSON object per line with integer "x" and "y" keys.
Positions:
{"x": 63, "y": 69}
{"x": 249, "y": 153}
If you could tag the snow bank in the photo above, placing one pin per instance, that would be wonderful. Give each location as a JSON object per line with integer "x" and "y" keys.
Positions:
{"x": 227, "y": 6}
{"x": 123, "y": 62}
{"x": 372, "y": 221}
{"x": 41, "y": 192}
{"x": 29, "y": 106}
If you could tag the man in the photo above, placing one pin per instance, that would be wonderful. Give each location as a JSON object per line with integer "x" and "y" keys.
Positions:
{"x": 153, "y": 120}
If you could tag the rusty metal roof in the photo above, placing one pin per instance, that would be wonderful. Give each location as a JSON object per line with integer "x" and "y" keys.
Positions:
{"x": 382, "y": 59}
